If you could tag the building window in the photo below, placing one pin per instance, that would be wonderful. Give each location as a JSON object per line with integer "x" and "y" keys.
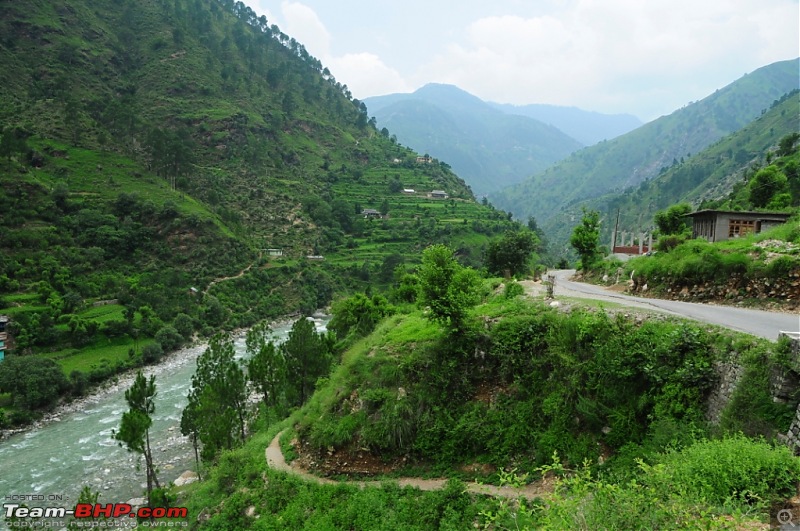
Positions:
{"x": 741, "y": 227}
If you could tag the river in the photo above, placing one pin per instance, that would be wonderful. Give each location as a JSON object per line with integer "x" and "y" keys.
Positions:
{"x": 76, "y": 448}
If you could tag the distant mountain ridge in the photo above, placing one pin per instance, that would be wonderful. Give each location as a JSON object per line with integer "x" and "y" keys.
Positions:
{"x": 587, "y": 127}
{"x": 708, "y": 175}
{"x": 641, "y": 154}
{"x": 486, "y": 147}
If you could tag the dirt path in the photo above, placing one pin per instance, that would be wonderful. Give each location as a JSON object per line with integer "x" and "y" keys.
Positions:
{"x": 538, "y": 489}
{"x": 238, "y": 275}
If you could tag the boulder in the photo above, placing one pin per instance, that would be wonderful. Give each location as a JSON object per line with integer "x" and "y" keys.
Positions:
{"x": 186, "y": 478}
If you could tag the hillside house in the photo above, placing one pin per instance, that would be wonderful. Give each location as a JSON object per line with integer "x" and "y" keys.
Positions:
{"x": 371, "y": 213}
{"x": 427, "y": 159}
{"x": 438, "y": 194}
{"x": 274, "y": 252}
{"x": 315, "y": 258}
{"x": 409, "y": 191}
{"x": 3, "y": 336}
{"x": 721, "y": 225}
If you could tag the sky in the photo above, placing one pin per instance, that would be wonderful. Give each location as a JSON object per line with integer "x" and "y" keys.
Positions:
{"x": 643, "y": 57}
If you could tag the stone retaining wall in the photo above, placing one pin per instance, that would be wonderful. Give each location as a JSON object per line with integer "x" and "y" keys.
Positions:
{"x": 792, "y": 437}
{"x": 729, "y": 374}
{"x": 784, "y": 385}
{"x": 785, "y": 388}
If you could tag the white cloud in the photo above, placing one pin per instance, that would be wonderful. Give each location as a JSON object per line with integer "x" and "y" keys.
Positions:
{"x": 304, "y": 25}
{"x": 621, "y": 55}
{"x": 260, "y": 7}
{"x": 644, "y": 57}
{"x": 366, "y": 75}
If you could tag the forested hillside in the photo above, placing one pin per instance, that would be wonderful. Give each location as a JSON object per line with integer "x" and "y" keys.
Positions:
{"x": 707, "y": 176}
{"x": 489, "y": 148}
{"x": 153, "y": 151}
{"x": 642, "y": 154}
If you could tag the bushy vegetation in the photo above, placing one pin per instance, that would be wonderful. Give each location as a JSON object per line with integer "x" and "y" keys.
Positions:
{"x": 710, "y": 484}
{"x": 544, "y": 392}
{"x": 356, "y": 316}
{"x": 534, "y": 382}
{"x": 680, "y": 489}
{"x": 586, "y": 239}
{"x": 283, "y": 501}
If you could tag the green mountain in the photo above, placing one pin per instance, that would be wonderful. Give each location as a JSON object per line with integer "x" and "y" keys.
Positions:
{"x": 707, "y": 176}
{"x": 641, "y": 154}
{"x": 488, "y": 148}
{"x": 586, "y": 127}
{"x": 151, "y": 154}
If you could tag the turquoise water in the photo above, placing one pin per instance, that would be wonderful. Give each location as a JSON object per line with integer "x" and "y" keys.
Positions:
{"x": 76, "y": 448}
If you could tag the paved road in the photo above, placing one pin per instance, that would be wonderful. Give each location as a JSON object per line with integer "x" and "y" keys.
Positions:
{"x": 756, "y": 322}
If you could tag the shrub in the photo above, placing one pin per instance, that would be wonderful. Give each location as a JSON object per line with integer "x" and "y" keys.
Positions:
{"x": 735, "y": 467}
{"x": 734, "y": 263}
{"x": 513, "y": 289}
{"x": 781, "y": 267}
{"x": 358, "y": 314}
{"x": 79, "y": 382}
{"x": 115, "y": 328}
{"x": 169, "y": 338}
{"x": 184, "y": 325}
{"x": 669, "y": 242}
{"x": 34, "y": 381}
{"x": 152, "y": 353}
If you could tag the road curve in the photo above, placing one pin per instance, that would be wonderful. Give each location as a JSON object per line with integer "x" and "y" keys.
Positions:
{"x": 756, "y": 322}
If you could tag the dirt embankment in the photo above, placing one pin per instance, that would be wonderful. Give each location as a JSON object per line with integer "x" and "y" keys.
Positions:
{"x": 781, "y": 294}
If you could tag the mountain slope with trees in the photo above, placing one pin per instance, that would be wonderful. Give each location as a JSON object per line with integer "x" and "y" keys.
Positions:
{"x": 703, "y": 179}
{"x": 641, "y": 154}
{"x": 488, "y": 148}
{"x": 152, "y": 153}
{"x": 586, "y": 127}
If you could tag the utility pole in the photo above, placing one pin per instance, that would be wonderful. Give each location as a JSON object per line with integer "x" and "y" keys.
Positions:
{"x": 614, "y": 237}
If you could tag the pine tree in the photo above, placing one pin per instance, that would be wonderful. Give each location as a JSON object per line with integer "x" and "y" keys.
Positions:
{"x": 134, "y": 429}
{"x": 217, "y": 401}
{"x": 266, "y": 368}
{"x": 308, "y": 356}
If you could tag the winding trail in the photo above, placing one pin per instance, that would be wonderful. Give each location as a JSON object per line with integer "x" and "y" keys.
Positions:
{"x": 237, "y": 275}
{"x": 276, "y": 461}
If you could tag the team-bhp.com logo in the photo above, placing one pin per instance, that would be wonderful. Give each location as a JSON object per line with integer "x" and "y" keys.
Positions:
{"x": 16, "y": 512}
{"x": 119, "y": 510}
